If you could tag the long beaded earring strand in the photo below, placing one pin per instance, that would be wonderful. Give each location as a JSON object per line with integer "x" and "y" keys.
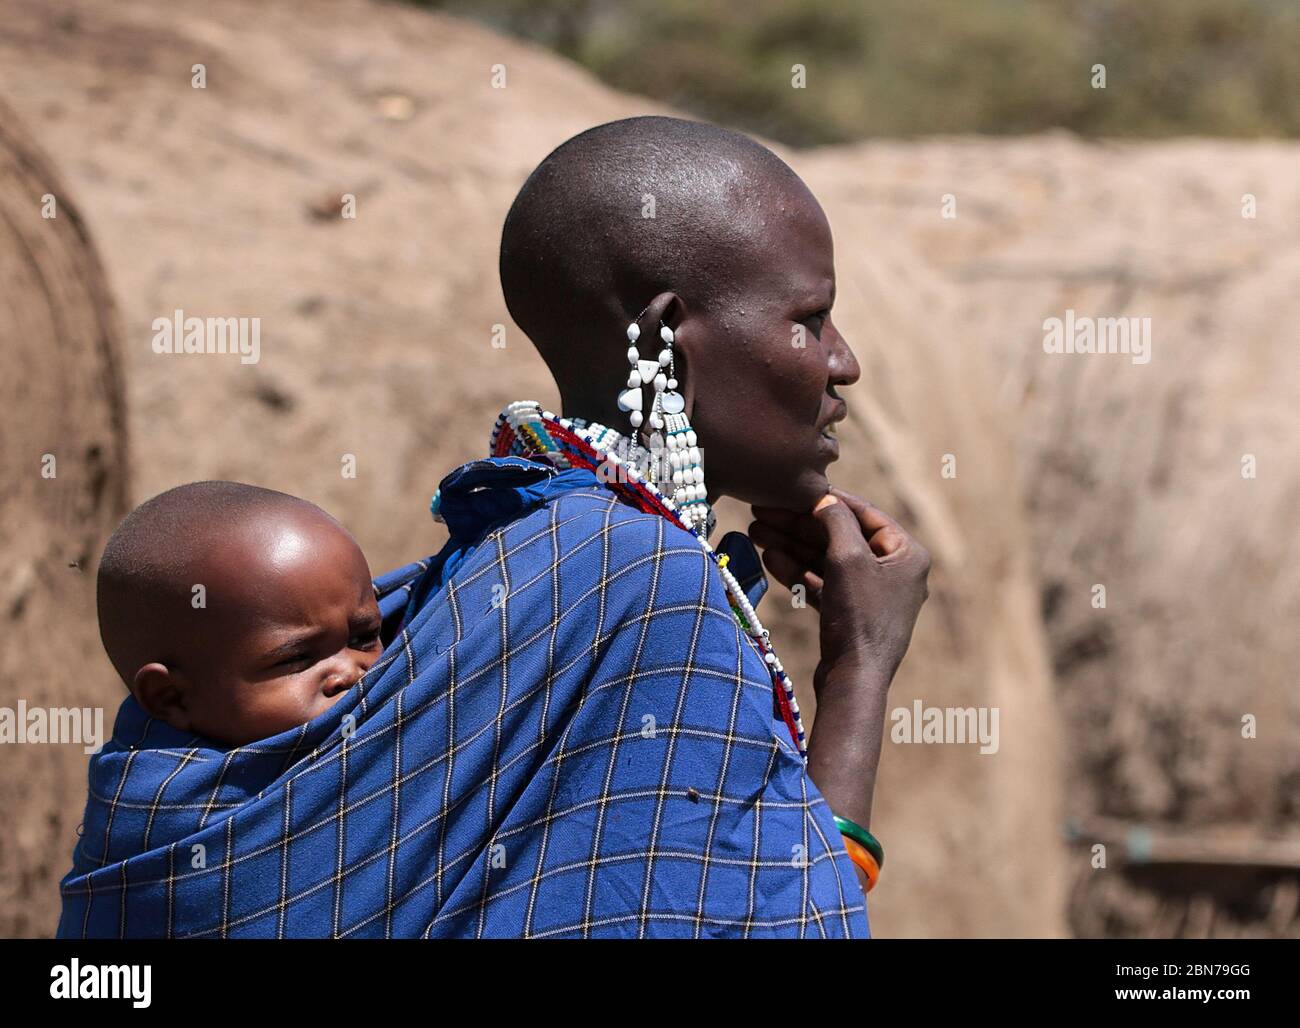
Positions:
{"x": 667, "y": 410}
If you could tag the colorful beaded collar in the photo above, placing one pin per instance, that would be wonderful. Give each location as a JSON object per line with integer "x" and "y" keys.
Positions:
{"x": 524, "y": 429}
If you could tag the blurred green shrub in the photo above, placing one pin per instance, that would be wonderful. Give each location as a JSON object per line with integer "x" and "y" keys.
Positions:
{"x": 918, "y": 67}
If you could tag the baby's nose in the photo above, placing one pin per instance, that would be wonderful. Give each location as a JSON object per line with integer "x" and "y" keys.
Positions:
{"x": 343, "y": 677}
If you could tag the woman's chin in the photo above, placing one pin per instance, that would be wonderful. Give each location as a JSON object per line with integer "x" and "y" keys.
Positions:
{"x": 798, "y": 491}
{"x": 813, "y": 486}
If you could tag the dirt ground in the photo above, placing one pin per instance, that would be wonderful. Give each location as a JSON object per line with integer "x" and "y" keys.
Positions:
{"x": 1071, "y": 471}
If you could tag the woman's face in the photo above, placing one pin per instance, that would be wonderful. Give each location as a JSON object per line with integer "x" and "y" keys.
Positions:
{"x": 762, "y": 363}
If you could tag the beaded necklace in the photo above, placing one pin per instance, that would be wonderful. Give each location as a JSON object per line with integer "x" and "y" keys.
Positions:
{"x": 524, "y": 429}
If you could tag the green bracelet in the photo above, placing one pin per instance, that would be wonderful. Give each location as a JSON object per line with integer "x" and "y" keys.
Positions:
{"x": 863, "y": 837}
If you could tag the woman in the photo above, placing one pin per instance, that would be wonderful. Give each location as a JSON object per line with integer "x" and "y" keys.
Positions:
{"x": 579, "y": 726}
{"x": 734, "y": 256}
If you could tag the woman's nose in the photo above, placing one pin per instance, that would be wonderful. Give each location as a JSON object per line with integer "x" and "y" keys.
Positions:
{"x": 844, "y": 368}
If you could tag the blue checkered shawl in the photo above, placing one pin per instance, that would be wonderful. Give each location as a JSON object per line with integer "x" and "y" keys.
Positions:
{"x": 567, "y": 736}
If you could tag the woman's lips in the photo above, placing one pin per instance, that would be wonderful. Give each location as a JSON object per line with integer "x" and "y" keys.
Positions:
{"x": 826, "y": 437}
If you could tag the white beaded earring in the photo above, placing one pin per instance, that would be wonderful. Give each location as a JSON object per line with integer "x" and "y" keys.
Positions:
{"x": 630, "y": 398}
{"x": 667, "y": 411}
{"x": 661, "y": 373}
{"x": 689, "y": 494}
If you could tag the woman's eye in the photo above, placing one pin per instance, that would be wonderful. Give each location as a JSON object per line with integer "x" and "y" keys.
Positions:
{"x": 815, "y": 322}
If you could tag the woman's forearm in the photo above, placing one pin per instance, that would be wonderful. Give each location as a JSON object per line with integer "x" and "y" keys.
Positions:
{"x": 847, "y": 734}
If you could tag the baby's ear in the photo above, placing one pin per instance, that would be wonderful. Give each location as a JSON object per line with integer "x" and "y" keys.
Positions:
{"x": 162, "y": 695}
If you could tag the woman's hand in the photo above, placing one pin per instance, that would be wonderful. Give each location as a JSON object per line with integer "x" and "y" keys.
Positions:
{"x": 867, "y": 577}
{"x": 860, "y": 569}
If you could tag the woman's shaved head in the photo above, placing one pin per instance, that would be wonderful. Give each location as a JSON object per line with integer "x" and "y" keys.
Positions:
{"x": 714, "y": 234}
{"x": 630, "y": 209}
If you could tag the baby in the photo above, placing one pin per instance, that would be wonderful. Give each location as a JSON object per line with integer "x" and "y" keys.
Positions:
{"x": 236, "y": 612}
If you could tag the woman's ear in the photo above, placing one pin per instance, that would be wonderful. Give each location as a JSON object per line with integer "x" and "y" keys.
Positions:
{"x": 162, "y": 693}
{"x": 685, "y": 380}
{"x": 687, "y": 341}
{"x": 676, "y": 316}
{"x": 666, "y": 307}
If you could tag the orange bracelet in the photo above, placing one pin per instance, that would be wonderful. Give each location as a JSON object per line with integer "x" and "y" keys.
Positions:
{"x": 859, "y": 855}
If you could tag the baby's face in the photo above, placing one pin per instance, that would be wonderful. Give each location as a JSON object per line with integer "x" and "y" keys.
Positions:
{"x": 291, "y": 624}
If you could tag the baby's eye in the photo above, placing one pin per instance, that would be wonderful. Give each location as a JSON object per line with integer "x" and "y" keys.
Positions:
{"x": 365, "y": 640}
{"x": 297, "y": 659}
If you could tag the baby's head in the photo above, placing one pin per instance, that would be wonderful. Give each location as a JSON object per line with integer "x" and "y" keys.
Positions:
{"x": 236, "y": 612}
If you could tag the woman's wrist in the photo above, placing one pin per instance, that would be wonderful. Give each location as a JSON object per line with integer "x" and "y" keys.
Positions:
{"x": 863, "y": 673}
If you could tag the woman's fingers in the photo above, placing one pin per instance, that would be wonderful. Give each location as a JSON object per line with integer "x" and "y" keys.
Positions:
{"x": 887, "y": 538}
{"x": 766, "y": 537}
{"x": 808, "y": 534}
{"x": 793, "y": 559}
{"x": 845, "y": 545}
{"x": 812, "y": 584}
{"x": 775, "y": 516}
{"x": 791, "y": 572}
{"x": 883, "y": 533}
{"x": 802, "y": 526}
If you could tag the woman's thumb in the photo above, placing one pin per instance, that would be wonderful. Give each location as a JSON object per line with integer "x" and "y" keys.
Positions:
{"x": 838, "y": 522}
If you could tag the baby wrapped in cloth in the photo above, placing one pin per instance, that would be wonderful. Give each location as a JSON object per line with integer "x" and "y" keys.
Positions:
{"x": 567, "y": 734}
